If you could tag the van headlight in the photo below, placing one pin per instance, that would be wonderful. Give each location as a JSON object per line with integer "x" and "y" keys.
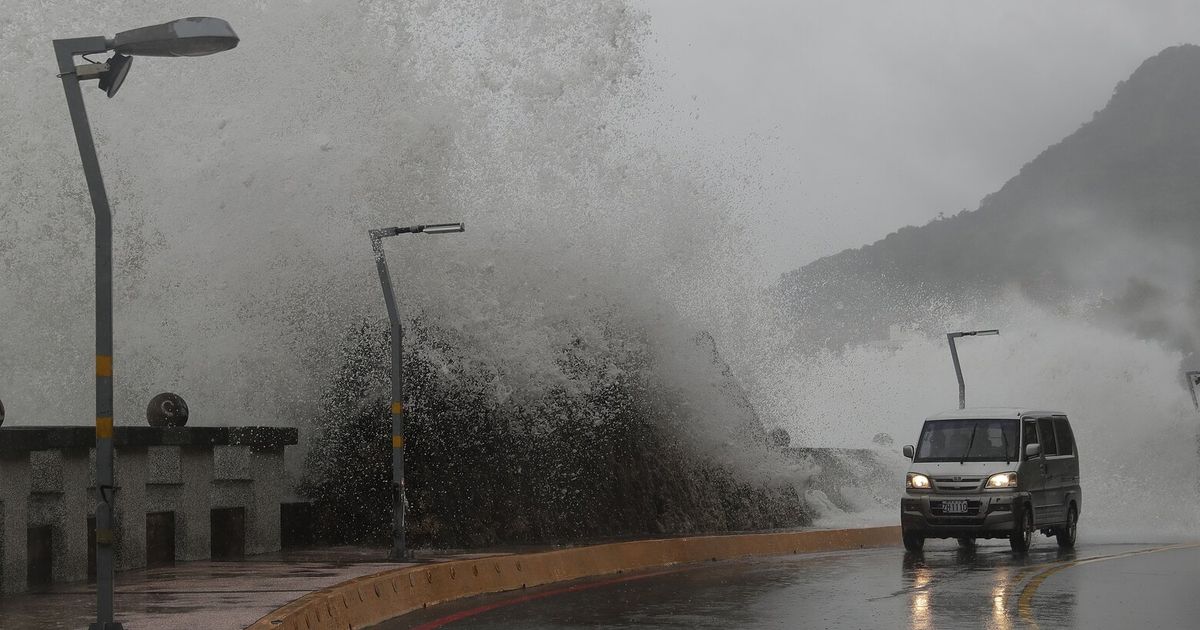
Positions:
{"x": 1002, "y": 480}
{"x": 916, "y": 481}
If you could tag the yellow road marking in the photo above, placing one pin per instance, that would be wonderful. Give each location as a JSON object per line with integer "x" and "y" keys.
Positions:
{"x": 104, "y": 365}
{"x": 1025, "y": 601}
{"x": 104, "y": 427}
{"x": 397, "y": 441}
{"x": 397, "y": 408}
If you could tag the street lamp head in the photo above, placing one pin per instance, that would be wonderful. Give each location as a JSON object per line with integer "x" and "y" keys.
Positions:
{"x": 188, "y": 37}
{"x": 973, "y": 333}
{"x": 444, "y": 228}
{"x": 1, "y": 412}
{"x": 436, "y": 228}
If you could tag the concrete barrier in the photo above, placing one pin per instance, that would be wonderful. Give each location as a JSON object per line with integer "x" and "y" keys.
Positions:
{"x": 177, "y": 475}
{"x": 372, "y": 599}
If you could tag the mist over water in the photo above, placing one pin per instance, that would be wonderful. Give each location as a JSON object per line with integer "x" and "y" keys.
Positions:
{"x": 243, "y": 186}
{"x": 1133, "y": 420}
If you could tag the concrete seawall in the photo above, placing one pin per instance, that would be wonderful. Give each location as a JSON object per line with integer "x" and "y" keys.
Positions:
{"x": 183, "y": 493}
{"x": 365, "y": 601}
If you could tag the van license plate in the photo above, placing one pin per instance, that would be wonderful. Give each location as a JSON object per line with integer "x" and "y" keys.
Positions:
{"x": 954, "y": 507}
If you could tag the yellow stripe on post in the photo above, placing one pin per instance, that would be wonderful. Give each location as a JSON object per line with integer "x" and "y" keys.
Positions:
{"x": 104, "y": 427}
{"x": 397, "y": 441}
{"x": 104, "y": 365}
{"x": 397, "y": 408}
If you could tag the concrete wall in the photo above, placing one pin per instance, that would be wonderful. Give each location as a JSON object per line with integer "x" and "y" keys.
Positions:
{"x": 48, "y": 479}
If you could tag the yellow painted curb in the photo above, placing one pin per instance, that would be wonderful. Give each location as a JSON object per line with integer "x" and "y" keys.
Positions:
{"x": 372, "y": 599}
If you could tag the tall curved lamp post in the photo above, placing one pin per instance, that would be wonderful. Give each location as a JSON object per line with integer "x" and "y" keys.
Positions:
{"x": 188, "y": 37}
{"x": 950, "y": 338}
{"x": 399, "y": 502}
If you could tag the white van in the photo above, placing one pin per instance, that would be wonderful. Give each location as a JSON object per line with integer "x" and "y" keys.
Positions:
{"x": 992, "y": 473}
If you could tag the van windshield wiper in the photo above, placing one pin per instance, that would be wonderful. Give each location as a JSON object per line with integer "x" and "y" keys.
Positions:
{"x": 1004, "y": 439}
{"x": 969, "y": 443}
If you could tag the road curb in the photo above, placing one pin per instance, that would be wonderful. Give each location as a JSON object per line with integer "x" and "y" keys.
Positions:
{"x": 372, "y": 599}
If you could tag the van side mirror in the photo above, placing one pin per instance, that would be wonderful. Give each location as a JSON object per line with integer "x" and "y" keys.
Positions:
{"x": 908, "y": 451}
{"x": 1032, "y": 450}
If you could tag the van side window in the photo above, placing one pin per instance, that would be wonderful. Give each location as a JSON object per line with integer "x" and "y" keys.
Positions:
{"x": 1046, "y": 429}
{"x": 1066, "y": 440}
{"x": 1028, "y": 435}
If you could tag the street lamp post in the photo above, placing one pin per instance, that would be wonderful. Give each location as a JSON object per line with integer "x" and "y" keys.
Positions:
{"x": 950, "y": 337}
{"x": 1191, "y": 379}
{"x": 399, "y": 501}
{"x": 182, "y": 38}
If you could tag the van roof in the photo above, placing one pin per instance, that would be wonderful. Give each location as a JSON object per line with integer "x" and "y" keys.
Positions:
{"x": 992, "y": 413}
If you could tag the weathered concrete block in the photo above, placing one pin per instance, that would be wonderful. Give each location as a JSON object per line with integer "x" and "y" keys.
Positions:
{"x": 130, "y": 503}
{"x": 162, "y": 465}
{"x": 231, "y": 463}
{"x": 60, "y": 499}
{"x": 14, "y": 499}
{"x": 262, "y": 514}
{"x": 70, "y": 532}
{"x": 192, "y": 534}
{"x": 46, "y": 471}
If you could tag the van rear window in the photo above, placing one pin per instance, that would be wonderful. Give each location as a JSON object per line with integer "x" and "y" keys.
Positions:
{"x": 1066, "y": 440}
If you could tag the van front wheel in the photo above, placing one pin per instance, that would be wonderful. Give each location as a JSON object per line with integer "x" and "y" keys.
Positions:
{"x": 913, "y": 542}
{"x": 1020, "y": 539}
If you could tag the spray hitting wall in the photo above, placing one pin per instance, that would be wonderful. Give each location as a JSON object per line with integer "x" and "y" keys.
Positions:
{"x": 243, "y": 191}
{"x": 1133, "y": 420}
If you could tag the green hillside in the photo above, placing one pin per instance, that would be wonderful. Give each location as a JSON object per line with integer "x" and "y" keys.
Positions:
{"x": 1111, "y": 215}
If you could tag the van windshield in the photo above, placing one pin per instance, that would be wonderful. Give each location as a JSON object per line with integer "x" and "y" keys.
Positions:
{"x": 969, "y": 441}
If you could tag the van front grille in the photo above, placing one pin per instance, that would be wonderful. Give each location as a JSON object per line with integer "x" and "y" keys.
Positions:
{"x": 957, "y": 484}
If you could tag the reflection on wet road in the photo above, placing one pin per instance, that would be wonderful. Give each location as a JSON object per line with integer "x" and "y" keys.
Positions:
{"x": 1093, "y": 586}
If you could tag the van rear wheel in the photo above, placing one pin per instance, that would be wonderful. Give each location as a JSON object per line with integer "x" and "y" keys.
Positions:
{"x": 1020, "y": 539}
{"x": 1066, "y": 533}
{"x": 913, "y": 542}
{"x": 966, "y": 543}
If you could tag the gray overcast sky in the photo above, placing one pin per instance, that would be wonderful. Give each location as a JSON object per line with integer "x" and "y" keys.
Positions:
{"x": 863, "y": 116}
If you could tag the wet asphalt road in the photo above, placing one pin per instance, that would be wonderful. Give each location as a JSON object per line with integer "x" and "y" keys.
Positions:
{"x": 1095, "y": 586}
